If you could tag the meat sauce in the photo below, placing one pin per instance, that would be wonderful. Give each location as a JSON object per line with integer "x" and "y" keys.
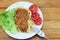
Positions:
{"x": 21, "y": 19}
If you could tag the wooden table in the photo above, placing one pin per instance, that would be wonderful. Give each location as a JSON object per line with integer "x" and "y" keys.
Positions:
{"x": 51, "y": 13}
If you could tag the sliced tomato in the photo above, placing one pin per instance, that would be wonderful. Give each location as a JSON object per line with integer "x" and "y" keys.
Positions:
{"x": 35, "y": 16}
{"x": 38, "y": 21}
{"x": 33, "y": 8}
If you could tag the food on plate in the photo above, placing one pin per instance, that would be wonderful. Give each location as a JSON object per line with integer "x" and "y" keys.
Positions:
{"x": 33, "y": 8}
{"x": 21, "y": 19}
{"x": 7, "y": 21}
{"x": 16, "y": 20}
{"x": 38, "y": 21}
{"x": 35, "y": 15}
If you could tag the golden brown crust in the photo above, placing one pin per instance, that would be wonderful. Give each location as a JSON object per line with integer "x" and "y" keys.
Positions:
{"x": 21, "y": 19}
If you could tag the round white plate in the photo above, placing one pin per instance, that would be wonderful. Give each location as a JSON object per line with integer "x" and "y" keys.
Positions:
{"x": 23, "y": 35}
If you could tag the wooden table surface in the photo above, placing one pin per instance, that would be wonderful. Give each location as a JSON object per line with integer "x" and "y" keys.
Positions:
{"x": 51, "y": 13}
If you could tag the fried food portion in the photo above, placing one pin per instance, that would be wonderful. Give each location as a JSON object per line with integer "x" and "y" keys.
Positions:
{"x": 21, "y": 19}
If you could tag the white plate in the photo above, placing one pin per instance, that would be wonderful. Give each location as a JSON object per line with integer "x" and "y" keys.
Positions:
{"x": 23, "y": 35}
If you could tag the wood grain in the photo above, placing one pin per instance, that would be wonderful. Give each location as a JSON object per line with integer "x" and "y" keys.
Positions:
{"x": 51, "y": 13}
{"x": 40, "y": 3}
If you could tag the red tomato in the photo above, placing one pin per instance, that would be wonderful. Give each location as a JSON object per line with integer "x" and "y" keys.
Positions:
{"x": 33, "y": 8}
{"x": 38, "y": 21}
{"x": 35, "y": 16}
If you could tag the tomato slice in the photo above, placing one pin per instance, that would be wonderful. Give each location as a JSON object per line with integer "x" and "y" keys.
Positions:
{"x": 33, "y": 8}
{"x": 38, "y": 21}
{"x": 35, "y": 16}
